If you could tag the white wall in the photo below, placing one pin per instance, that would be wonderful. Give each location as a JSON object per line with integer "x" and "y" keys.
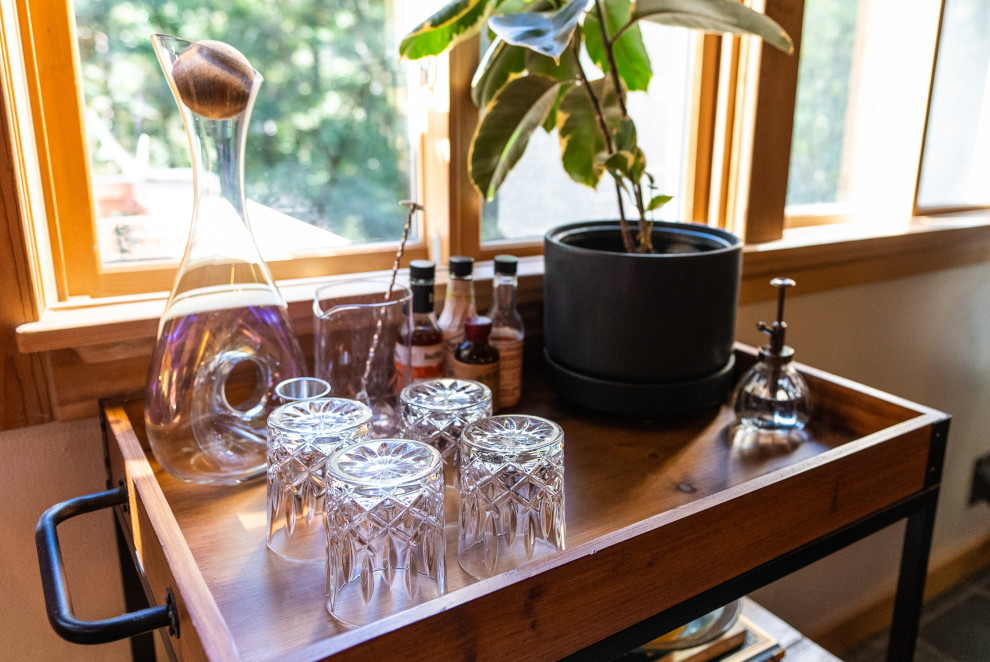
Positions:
{"x": 42, "y": 466}
{"x": 924, "y": 338}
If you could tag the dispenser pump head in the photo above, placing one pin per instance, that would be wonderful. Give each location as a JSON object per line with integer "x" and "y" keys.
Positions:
{"x": 777, "y": 330}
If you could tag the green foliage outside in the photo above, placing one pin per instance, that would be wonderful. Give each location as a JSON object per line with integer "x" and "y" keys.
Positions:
{"x": 822, "y": 97}
{"x": 328, "y": 141}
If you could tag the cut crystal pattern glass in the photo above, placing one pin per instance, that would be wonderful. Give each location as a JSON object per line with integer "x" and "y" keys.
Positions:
{"x": 512, "y": 493}
{"x": 385, "y": 533}
{"x": 301, "y": 437}
{"x": 438, "y": 410}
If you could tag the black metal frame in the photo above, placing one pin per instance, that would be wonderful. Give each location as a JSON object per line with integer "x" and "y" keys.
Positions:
{"x": 56, "y": 590}
{"x": 918, "y": 509}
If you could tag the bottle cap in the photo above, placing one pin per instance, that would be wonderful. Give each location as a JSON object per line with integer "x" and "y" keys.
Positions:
{"x": 477, "y": 328}
{"x": 461, "y": 266}
{"x": 506, "y": 264}
{"x": 421, "y": 270}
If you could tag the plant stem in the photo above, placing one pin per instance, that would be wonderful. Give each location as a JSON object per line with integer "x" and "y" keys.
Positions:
{"x": 645, "y": 227}
{"x": 645, "y": 244}
{"x": 610, "y": 54}
{"x": 627, "y": 241}
{"x": 595, "y": 102}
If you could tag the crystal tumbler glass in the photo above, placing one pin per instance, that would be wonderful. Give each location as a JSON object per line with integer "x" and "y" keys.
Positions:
{"x": 301, "y": 436}
{"x": 438, "y": 410}
{"x": 512, "y": 493}
{"x": 301, "y": 388}
{"x": 385, "y": 533}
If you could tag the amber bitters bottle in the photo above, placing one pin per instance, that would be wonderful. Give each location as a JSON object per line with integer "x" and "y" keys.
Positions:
{"x": 458, "y": 306}
{"x": 475, "y": 358}
{"x": 507, "y": 332}
{"x": 425, "y": 353}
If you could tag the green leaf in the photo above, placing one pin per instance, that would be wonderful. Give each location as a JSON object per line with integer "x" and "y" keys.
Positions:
{"x": 627, "y": 164}
{"x": 452, "y": 24}
{"x": 565, "y": 68}
{"x": 582, "y": 146}
{"x": 500, "y": 63}
{"x": 630, "y": 52}
{"x": 503, "y": 133}
{"x": 624, "y": 138}
{"x": 583, "y": 149}
{"x": 717, "y": 16}
{"x": 517, "y": 6}
{"x": 658, "y": 201}
{"x": 547, "y": 33}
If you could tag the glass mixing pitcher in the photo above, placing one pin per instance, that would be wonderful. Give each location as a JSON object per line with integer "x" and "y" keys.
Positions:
{"x": 357, "y": 331}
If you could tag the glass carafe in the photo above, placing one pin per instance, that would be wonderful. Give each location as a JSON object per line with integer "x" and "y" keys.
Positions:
{"x": 225, "y": 339}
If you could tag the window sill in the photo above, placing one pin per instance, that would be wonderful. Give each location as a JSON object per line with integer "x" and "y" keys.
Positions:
{"x": 833, "y": 256}
{"x": 819, "y": 258}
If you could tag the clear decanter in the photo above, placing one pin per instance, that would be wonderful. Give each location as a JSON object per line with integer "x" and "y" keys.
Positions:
{"x": 225, "y": 339}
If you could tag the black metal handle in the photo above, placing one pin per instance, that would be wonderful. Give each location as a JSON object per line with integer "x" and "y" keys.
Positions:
{"x": 56, "y": 590}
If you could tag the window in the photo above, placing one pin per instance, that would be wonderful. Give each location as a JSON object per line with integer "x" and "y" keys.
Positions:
{"x": 538, "y": 194}
{"x": 745, "y": 135}
{"x": 842, "y": 139}
{"x": 329, "y": 152}
{"x": 335, "y": 129}
{"x": 955, "y": 170}
{"x": 862, "y": 89}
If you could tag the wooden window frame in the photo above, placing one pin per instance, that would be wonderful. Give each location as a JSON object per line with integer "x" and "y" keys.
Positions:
{"x": 452, "y": 223}
{"x": 765, "y": 196}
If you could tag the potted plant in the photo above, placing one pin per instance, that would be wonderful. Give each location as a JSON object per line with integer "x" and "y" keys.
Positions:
{"x": 660, "y": 339}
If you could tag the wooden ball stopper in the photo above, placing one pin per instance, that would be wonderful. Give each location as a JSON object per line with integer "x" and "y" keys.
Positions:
{"x": 214, "y": 79}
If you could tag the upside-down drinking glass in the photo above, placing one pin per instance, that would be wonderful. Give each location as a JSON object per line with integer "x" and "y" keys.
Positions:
{"x": 301, "y": 436}
{"x": 438, "y": 410}
{"x": 512, "y": 493}
{"x": 385, "y": 529}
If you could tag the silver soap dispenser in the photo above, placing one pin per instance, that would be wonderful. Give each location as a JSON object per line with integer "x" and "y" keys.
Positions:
{"x": 772, "y": 397}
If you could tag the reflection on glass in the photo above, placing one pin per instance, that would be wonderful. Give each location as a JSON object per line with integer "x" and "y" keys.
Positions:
{"x": 955, "y": 169}
{"x": 538, "y": 194}
{"x": 329, "y": 151}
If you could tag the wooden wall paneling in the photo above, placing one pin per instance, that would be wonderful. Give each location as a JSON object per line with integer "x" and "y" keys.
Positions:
{"x": 24, "y": 397}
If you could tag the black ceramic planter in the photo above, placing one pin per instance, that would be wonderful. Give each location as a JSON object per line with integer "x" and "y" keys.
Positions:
{"x": 644, "y": 335}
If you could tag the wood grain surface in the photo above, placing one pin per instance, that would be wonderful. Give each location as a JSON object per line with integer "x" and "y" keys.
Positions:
{"x": 656, "y": 512}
